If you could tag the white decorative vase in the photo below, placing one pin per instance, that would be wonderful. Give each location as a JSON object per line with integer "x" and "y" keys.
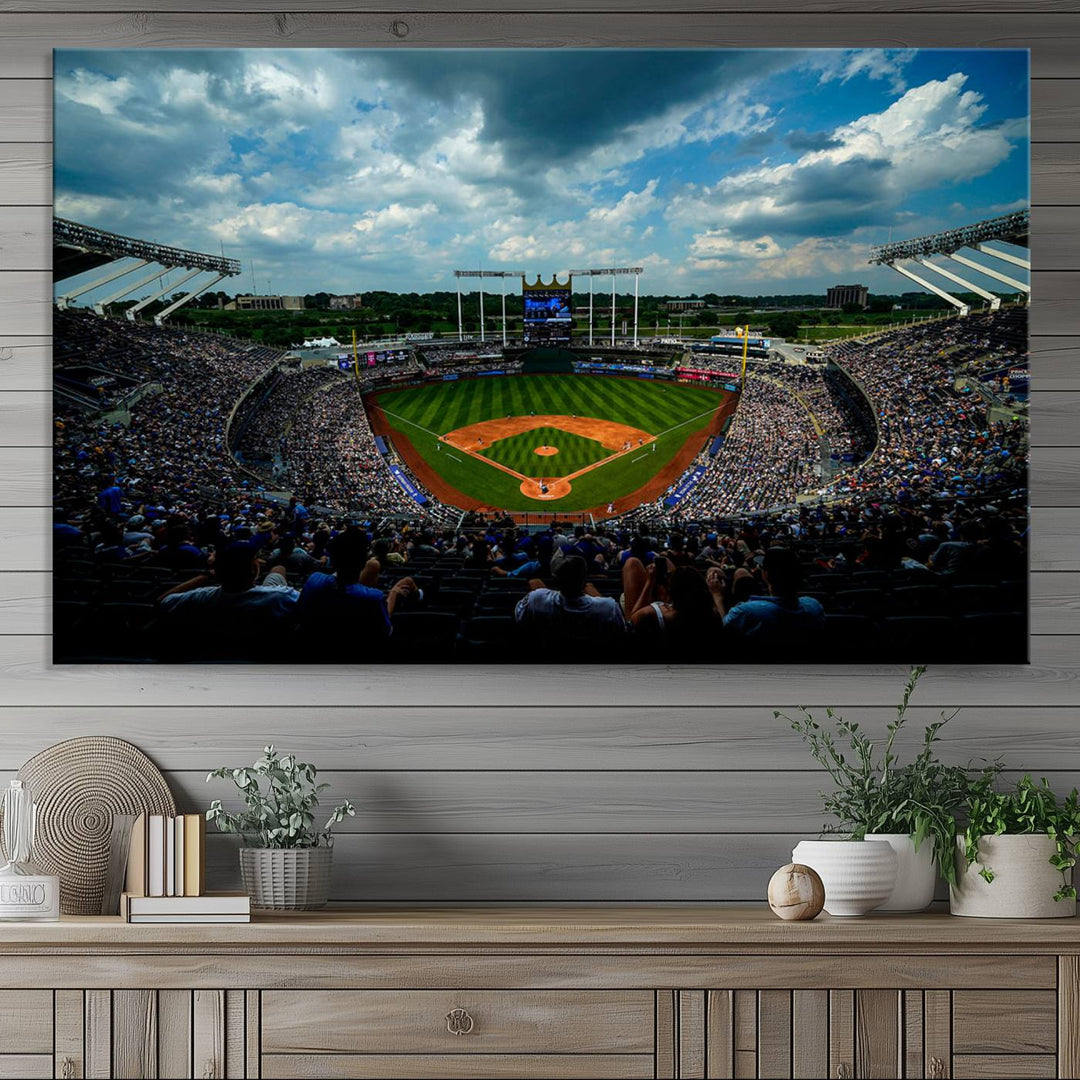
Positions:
{"x": 916, "y": 872}
{"x": 1024, "y": 881}
{"x": 286, "y": 879}
{"x": 858, "y": 875}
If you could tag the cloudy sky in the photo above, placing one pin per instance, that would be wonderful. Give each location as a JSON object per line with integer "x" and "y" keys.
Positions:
{"x": 718, "y": 170}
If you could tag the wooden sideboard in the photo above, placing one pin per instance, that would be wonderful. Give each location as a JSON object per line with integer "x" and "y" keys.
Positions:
{"x": 551, "y": 992}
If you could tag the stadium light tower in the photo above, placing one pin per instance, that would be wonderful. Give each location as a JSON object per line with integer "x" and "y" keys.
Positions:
{"x": 504, "y": 274}
{"x": 1010, "y": 228}
{"x": 637, "y": 271}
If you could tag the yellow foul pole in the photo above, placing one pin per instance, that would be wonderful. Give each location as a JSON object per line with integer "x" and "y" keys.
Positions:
{"x": 355, "y": 359}
{"x": 745, "y": 345}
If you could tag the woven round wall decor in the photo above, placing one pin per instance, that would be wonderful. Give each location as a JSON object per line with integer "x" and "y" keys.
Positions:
{"x": 78, "y": 785}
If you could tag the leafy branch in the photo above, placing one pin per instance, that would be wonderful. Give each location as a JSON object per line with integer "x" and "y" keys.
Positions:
{"x": 280, "y": 796}
{"x": 874, "y": 792}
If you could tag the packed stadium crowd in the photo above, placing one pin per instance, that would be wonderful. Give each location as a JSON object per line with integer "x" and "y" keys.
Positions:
{"x": 770, "y": 454}
{"x": 331, "y": 456}
{"x": 259, "y": 438}
{"x": 167, "y": 549}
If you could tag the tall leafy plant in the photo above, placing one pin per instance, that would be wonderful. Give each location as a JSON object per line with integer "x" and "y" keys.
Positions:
{"x": 280, "y": 798}
{"x": 874, "y": 792}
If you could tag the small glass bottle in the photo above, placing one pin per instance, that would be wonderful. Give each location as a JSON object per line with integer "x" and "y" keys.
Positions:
{"x": 25, "y": 891}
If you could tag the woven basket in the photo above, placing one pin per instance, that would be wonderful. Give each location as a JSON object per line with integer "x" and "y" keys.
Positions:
{"x": 78, "y": 785}
{"x": 287, "y": 879}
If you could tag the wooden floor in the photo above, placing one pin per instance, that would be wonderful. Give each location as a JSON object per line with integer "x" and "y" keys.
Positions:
{"x": 574, "y": 785}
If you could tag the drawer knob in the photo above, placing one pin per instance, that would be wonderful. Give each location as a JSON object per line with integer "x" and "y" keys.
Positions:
{"x": 937, "y": 1069}
{"x": 67, "y": 1069}
{"x": 459, "y": 1022}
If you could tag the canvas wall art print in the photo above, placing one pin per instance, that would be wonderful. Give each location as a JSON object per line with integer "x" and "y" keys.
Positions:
{"x": 541, "y": 356}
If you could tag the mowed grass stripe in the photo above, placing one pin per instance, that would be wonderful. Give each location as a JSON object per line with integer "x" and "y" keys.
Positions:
{"x": 490, "y": 395}
{"x": 428, "y": 406}
{"x": 589, "y": 402}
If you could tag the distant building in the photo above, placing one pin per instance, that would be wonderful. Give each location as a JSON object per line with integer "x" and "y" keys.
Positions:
{"x": 684, "y": 305}
{"x": 347, "y": 303}
{"x": 247, "y": 302}
{"x": 839, "y": 295}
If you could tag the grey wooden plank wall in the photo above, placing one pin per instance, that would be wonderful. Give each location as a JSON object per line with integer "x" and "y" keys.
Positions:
{"x": 480, "y": 785}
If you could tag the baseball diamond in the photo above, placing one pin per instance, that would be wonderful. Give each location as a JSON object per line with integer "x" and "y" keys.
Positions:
{"x": 568, "y": 442}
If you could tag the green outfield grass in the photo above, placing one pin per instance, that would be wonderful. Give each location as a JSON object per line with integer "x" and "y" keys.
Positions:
{"x": 672, "y": 411}
{"x": 518, "y": 452}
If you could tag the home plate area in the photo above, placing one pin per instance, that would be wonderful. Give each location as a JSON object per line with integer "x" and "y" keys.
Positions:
{"x": 514, "y": 443}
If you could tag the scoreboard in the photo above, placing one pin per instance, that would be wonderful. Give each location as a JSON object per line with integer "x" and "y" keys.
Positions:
{"x": 548, "y": 316}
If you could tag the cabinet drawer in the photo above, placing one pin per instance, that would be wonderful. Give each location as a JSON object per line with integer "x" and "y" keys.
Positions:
{"x": 1004, "y": 1066}
{"x": 26, "y": 1022}
{"x": 1004, "y": 1022}
{"x": 429, "y": 1021}
{"x": 26, "y": 1066}
{"x": 459, "y": 1066}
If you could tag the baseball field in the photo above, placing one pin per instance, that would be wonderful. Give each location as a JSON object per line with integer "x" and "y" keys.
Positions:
{"x": 553, "y": 442}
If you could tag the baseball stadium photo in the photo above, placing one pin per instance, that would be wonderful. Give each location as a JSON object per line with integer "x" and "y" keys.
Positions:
{"x": 541, "y": 356}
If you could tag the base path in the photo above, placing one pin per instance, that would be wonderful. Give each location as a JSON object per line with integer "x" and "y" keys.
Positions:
{"x": 608, "y": 433}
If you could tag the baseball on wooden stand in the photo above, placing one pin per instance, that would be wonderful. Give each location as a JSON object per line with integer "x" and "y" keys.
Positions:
{"x": 796, "y": 893}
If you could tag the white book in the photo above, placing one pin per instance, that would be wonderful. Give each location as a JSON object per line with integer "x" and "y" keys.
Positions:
{"x": 189, "y": 918}
{"x": 178, "y": 855}
{"x": 170, "y": 856}
{"x": 207, "y": 904}
{"x": 155, "y": 855}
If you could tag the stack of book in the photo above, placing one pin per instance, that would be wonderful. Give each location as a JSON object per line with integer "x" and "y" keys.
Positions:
{"x": 207, "y": 908}
{"x": 166, "y": 875}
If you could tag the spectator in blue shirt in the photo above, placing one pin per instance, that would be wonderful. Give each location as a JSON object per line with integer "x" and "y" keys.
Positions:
{"x": 781, "y": 620}
{"x": 343, "y": 616}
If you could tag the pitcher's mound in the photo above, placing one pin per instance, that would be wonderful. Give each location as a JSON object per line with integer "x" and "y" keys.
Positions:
{"x": 554, "y": 488}
{"x": 546, "y": 451}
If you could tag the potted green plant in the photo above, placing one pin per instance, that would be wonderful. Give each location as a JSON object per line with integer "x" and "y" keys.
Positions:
{"x": 285, "y": 860}
{"x": 1016, "y": 852}
{"x": 911, "y": 807}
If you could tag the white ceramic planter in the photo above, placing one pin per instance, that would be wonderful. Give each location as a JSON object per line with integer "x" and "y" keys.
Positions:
{"x": 1024, "y": 881}
{"x": 916, "y": 872}
{"x": 858, "y": 875}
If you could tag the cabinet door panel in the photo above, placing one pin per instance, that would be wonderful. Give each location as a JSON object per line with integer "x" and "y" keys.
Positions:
{"x": 98, "y": 1026}
{"x": 842, "y": 1033}
{"x": 26, "y": 1066}
{"x": 937, "y": 1032}
{"x": 135, "y": 1034}
{"x": 720, "y": 1034}
{"x": 70, "y": 1023}
{"x": 1011, "y": 1066}
{"x": 810, "y": 1034}
{"x": 1004, "y": 1022}
{"x": 877, "y": 1034}
{"x": 913, "y": 1033}
{"x": 746, "y": 1033}
{"x": 26, "y": 1021}
{"x": 174, "y": 1034}
{"x": 692, "y": 1031}
{"x": 774, "y": 1034}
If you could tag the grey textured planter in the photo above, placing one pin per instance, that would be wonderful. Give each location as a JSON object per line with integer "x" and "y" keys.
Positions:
{"x": 287, "y": 879}
{"x": 1024, "y": 881}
